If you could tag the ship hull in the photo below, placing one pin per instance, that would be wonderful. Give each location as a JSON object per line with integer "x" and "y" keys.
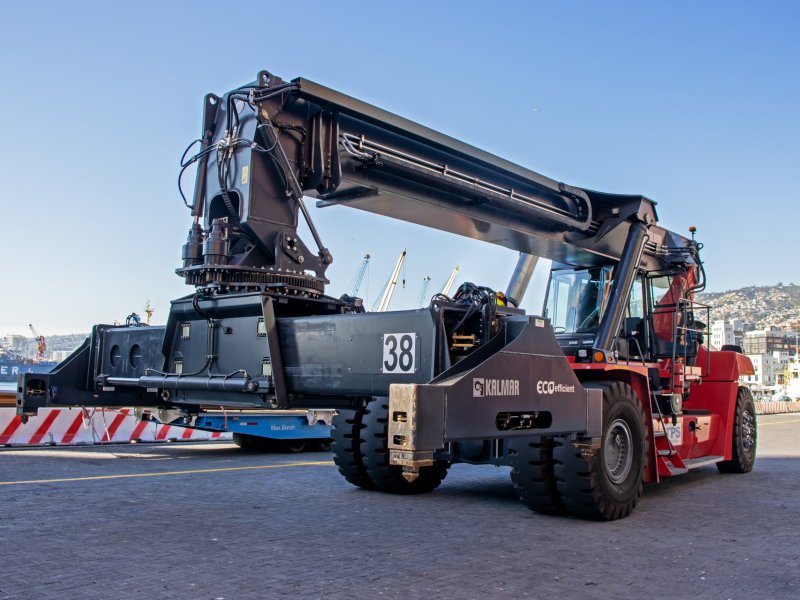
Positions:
{"x": 10, "y": 369}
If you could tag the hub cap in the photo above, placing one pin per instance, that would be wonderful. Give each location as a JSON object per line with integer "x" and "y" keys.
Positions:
{"x": 618, "y": 451}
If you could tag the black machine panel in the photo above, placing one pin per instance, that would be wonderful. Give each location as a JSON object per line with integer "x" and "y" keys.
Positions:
{"x": 357, "y": 354}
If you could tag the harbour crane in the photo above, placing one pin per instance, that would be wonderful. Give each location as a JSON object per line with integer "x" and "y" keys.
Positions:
{"x": 422, "y": 300}
{"x": 389, "y": 291}
{"x": 358, "y": 278}
{"x": 41, "y": 343}
{"x": 148, "y": 310}
{"x": 449, "y": 284}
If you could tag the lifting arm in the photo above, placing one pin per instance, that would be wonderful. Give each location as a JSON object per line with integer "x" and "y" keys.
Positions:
{"x": 275, "y": 141}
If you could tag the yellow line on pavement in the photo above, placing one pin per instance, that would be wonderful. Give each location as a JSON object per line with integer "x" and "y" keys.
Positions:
{"x": 163, "y": 473}
{"x": 778, "y": 422}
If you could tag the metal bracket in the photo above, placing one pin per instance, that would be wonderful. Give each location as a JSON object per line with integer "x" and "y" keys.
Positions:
{"x": 588, "y": 446}
{"x": 403, "y": 416}
{"x": 273, "y": 343}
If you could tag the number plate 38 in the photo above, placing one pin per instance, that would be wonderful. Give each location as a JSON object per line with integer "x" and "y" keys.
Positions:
{"x": 399, "y": 353}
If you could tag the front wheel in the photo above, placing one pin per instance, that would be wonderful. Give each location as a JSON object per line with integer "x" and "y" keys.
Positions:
{"x": 532, "y": 474}
{"x": 347, "y": 436}
{"x": 374, "y": 449}
{"x": 743, "y": 455}
{"x": 607, "y": 483}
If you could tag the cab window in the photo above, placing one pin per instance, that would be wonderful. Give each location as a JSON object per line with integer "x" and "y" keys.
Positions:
{"x": 575, "y": 299}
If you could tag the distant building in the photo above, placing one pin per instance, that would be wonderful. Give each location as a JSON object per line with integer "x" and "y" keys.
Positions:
{"x": 15, "y": 342}
{"x": 767, "y": 341}
{"x": 723, "y": 333}
{"x": 738, "y": 338}
{"x": 769, "y": 368}
{"x": 59, "y": 355}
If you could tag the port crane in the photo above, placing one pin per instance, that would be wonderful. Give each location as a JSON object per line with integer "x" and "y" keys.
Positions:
{"x": 613, "y": 386}
{"x": 41, "y": 343}
{"x": 450, "y": 280}
{"x": 148, "y": 311}
{"x": 358, "y": 278}
{"x": 423, "y": 292}
{"x": 388, "y": 291}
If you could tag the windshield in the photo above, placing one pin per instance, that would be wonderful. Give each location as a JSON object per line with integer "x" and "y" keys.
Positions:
{"x": 575, "y": 299}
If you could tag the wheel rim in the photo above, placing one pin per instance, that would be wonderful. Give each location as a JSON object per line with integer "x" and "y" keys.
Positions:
{"x": 748, "y": 430}
{"x": 618, "y": 451}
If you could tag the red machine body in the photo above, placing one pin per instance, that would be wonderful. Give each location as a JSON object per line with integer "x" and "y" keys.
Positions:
{"x": 702, "y": 434}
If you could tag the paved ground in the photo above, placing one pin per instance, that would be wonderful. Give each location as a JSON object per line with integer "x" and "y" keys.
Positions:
{"x": 208, "y": 521}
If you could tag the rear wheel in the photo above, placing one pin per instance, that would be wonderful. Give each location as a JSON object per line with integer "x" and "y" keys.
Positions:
{"x": 294, "y": 446}
{"x": 374, "y": 449}
{"x": 532, "y": 473}
{"x": 253, "y": 443}
{"x": 346, "y": 440}
{"x": 606, "y": 484}
{"x": 744, "y": 435}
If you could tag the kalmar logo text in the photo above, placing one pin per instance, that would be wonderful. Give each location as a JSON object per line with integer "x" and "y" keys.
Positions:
{"x": 494, "y": 387}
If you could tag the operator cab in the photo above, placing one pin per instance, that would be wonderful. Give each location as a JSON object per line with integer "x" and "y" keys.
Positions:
{"x": 659, "y": 312}
{"x": 575, "y": 302}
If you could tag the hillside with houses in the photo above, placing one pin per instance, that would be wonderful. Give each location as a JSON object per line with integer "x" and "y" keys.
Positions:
{"x": 761, "y": 307}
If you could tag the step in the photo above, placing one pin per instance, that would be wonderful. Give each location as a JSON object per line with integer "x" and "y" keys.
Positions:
{"x": 693, "y": 463}
{"x": 673, "y": 470}
{"x": 677, "y": 470}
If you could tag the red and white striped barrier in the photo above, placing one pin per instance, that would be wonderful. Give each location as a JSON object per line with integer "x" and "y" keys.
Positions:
{"x": 68, "y": 426}
{"x": 774, "y": 408}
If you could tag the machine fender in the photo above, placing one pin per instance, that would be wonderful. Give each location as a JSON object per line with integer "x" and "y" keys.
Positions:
{"x": 641, "y": 385}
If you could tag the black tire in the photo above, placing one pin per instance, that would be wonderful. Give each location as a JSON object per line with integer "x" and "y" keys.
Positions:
{"x": 324, "y": 445}
{"x": 255, "y": 443}
{"x": 346, "y": 440}
{"x": 294, "y": 446}
{"x": 606, "y": 484}
{"x": 533, "y": 476}
{"x": 374, "y": 449}
{"x": 745, "y": 435}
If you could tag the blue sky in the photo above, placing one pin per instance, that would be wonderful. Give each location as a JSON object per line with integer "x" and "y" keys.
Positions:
{"x": 694, "y": 104}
